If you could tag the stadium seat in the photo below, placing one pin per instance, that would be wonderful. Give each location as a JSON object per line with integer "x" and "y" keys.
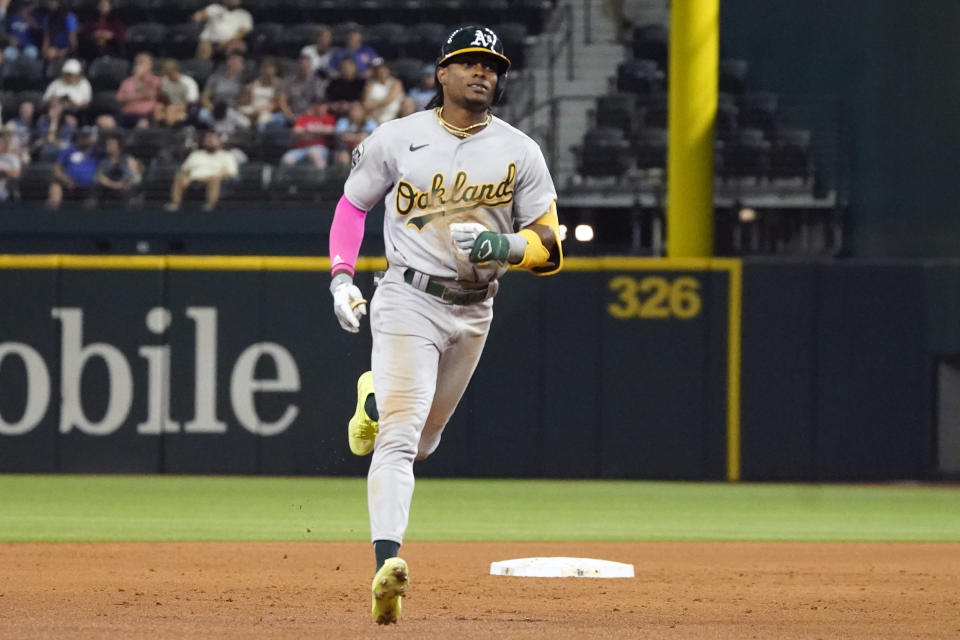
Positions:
{"x": 726, "y": 123}
{"x": 514, "y": 37}
{"x": 389, "y": 39}
{"x": 296, "y": 37}
{"x": 197, "y": 68}
{"x": 652, "y": 112}
{"x": 650, "y": 147}
{"x": 733, "y": 76}
{"x": 158, "y": 180}
{"x": 640, "y": 77}
{"x": 147, "y": 143}
{"x": 615, "y": 110}
{"x": 605, "y": 152}
{"x": 182, "y": 40}
{"x": 146, "y": 36}
{"x": 408, "y": 70}
{"x": 273, "y": 143}
{"x": 747, "y": 155}
{"x": 249, "y": 184}
{"x": 104, "y": 101}
{"x": 790, "y": 157}
{"x": 23, "y": 73}
{"x": 759, "y": 111}
{"x": 424, "y": 41}
{"x": 651, "y": 42}
{"x": 265, "y": 38}
{"x": 107, "y": 72}
{"x": 34, "y": 183}
{"x": 295, "y": 183}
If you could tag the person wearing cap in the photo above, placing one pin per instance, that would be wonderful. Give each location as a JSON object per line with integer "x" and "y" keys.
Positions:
{"x": 466, "y": 198}
{"x": 383, "y": 93}
{"x": 225, "y": 25}
{"x": 70, "y": 89}
{"x": 74, "y": 171}
{"x": 362, "y": 54}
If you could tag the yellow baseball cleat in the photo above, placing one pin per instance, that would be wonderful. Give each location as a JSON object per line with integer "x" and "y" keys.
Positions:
{"x": 389, "y": 585}
{"x": 362, "y": 429}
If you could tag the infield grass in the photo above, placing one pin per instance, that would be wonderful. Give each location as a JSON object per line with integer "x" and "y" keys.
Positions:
{"x": 143, "y": 508}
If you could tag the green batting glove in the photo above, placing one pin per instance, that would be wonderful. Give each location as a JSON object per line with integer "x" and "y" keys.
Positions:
{"x": 490, "y": 245}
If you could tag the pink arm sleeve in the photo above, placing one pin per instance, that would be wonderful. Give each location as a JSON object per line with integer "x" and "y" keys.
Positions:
{"x": 346, "y": 234}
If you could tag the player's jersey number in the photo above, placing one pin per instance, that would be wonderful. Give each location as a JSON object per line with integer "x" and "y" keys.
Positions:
{"x": 655, "y": 297}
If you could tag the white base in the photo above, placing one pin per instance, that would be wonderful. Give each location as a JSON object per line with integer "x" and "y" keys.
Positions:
{"x": 561, "y": 568}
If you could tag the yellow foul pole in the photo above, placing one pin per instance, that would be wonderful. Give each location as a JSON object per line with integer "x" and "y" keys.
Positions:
{"x": 692, "y": 103}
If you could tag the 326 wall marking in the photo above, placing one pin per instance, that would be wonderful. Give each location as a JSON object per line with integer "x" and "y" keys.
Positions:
{"x": 655, "y": 297}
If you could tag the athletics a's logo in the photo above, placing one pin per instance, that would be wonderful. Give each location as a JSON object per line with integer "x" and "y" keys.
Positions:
{"x": 484, "y": 38}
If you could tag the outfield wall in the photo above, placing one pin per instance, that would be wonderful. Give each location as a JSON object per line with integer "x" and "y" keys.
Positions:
{"x": 614, "y": 368}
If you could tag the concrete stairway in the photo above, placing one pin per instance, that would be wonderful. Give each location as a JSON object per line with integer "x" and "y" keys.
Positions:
{"x": 595, "y": 58}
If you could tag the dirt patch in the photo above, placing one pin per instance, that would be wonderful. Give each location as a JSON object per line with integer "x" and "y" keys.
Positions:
{"x": 321, "y": 590}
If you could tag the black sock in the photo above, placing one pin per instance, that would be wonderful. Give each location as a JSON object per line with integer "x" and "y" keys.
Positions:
{"x": 370, "y": 406}
{"x": 385, "y": 549}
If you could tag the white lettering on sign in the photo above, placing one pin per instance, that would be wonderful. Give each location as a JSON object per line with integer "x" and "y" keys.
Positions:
{"x": 75, "y": 356}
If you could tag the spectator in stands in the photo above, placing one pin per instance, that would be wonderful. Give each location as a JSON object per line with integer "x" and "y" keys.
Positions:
{"x": 71, "y": 89}
{"x": 225, "y": 26}
{"x": 313, "y": 133}
{"x": 118, "y": 173}
{"x": 301, "y": 90}
{"x": 74, "y": 172}
{"x": 224, "y": 86}
{"x": 103, "y": 33}
{"x": 9, "y": 166}
{"x": 59, "y": 31}
{"x": 383, "y": 93}
{"x": 139, "y": 95}
{"x": 420, "y": 95}
{"x": 362, "y": 55}
{"x": 25, "y": 32}
{"x": 260, "y": 100}
{"x": 55, "y": 131}
{"x": 210, "y": 165}
{"x": 22, "y": 130}
{"x": 351, "y": 130}
{"x": 227, "y": 121}
{"x": 178, "y": 94}
{"x": 346, "y": 88}
{"x": 320, "y": 52}
{"x": 4, "y": 5}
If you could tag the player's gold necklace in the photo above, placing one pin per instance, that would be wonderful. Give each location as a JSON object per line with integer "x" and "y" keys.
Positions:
{"x": 460, "y": 132}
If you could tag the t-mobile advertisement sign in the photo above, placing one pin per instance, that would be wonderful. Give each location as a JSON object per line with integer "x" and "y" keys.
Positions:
{"x": 174, "y": 371}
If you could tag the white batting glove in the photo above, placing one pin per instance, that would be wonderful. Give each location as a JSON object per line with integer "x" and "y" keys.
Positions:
{"x": 465, "y": 234}
{"x": 348, "y": 302}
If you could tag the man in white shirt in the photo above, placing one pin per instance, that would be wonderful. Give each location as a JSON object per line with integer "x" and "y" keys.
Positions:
{"x": 210, "y": 165}
{"x": 70, "y": 89}
{"x": 9, "y": 165}
{"x": 226, "y": 25}
{"x": 177, "y": 92}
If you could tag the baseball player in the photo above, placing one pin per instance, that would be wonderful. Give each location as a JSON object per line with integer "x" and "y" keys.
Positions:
{"x": 466, "y": 196}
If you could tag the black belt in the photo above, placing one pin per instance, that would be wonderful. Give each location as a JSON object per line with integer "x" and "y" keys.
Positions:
{"x": 453, "y": 296}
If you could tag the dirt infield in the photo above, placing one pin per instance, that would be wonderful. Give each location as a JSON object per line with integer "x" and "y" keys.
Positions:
{"x": 321, "y": 590}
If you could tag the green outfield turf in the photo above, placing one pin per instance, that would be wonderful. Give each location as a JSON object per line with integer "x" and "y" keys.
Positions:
{"x": 127, "y": 508}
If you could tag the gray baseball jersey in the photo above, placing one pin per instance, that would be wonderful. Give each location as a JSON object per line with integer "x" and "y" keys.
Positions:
{"x": 429, "y": 178}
